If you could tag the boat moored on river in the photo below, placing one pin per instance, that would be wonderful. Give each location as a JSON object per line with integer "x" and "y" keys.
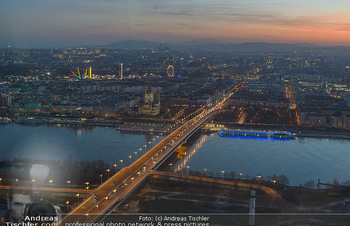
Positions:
{"x": 284, "y": 135}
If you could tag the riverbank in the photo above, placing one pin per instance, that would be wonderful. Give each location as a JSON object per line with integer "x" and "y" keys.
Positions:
{"x": 122, "y": 126}
{"x": 142, "y": 125}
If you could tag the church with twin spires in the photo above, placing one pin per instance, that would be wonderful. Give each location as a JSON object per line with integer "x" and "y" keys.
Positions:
{"x": 151, "y": 105}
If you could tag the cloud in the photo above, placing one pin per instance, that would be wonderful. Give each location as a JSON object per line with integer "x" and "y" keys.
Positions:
{"x": 170, "y": 19}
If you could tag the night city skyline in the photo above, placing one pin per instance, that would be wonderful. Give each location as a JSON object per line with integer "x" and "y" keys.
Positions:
{"x": 174, "y": 113}
{"x": 42, "y": 24}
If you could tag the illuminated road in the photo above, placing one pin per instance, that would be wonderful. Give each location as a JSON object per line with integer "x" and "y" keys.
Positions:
{"x": 120, "y": 185}
{"x": 268, "y": 190}
{"x": 129, "y": 178}
{"x": 290, "y": 95}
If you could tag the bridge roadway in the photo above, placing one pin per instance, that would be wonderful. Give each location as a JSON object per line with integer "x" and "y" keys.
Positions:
{"x": 121, "y": 184}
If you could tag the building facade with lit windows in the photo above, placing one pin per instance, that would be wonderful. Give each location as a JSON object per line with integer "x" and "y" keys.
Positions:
{"x": 151, "y": 104}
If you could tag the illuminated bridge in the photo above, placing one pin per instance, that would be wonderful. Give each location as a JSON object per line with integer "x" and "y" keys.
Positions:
{"x": 118, "y": 187}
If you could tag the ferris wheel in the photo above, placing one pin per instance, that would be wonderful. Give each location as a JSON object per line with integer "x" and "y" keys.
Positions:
{"x": 170, "y": 71}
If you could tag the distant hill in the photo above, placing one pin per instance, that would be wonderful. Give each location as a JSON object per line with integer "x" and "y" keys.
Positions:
{"x": 212, "y": 44}
{"x": 197, "y": 42}
{"x": 133, "y": 44}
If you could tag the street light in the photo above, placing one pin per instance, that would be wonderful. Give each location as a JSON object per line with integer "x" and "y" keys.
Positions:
{"x": 240, "y": 175}
{"x": 121, "y": 161}
{"x": 188, "y": 167}
{"x": 67, "y": 203}
{"x": 101, "y": 178}
{"x": 171, "y": 167}
{"x": 78, "y": 197}
{"x": 205, "y": 172}
{"x": 0, "y": 180}
{"x": 108, "y": 172}
{"x": 68, "y": 182}
{"x": 274, "y": 183}
{"x": 259, "y": 176}
{"x": 135, "y": 155}
{"x": 129, "y": 159}
{"x": 33, "y": 181}
{"x": 223, "y": 175}
{"x": 50, "y": 181}
{"x": 115, "y": 168}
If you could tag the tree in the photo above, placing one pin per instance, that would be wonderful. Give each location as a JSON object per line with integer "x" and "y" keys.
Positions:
{"x": 232, "y": 174}
{"x": 336, "y": 182}
{"x": 274, "y": 177}
{"x": 309, "y": 184}
{"x": 197, "y": 173}
{"x": 346, "y": 183}
{"x": 247, "y": 176}
{"x": 282, "y": 179}
{"x": 82, "y": 163}
{"x": 101, "y": 166}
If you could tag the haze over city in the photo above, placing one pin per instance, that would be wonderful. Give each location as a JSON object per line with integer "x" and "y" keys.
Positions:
{"x": 38, "y": 23}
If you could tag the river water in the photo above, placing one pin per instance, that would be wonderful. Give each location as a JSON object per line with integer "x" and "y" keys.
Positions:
{"x": 58, "y": 143}
{"x": 300, "y": 160}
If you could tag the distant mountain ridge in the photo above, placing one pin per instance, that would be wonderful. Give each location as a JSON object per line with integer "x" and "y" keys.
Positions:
{"x": 212, "y": 44}
{"x": 132, "y": 44}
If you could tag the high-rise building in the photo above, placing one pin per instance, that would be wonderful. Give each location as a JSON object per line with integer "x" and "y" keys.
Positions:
{"x": 121, "y": 71}
{"x": 6, "y": 100}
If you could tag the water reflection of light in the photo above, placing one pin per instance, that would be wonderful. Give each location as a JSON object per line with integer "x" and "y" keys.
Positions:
{"x": 81, "y": 131}
{"x": 185, "y": 161}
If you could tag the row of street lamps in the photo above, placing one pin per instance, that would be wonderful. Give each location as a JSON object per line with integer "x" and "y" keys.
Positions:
{"x": 223, "y": 174}
{"x": 101, "y": 176}
{"x": 171, "y": 165}
{"x": 122, "y": 161}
